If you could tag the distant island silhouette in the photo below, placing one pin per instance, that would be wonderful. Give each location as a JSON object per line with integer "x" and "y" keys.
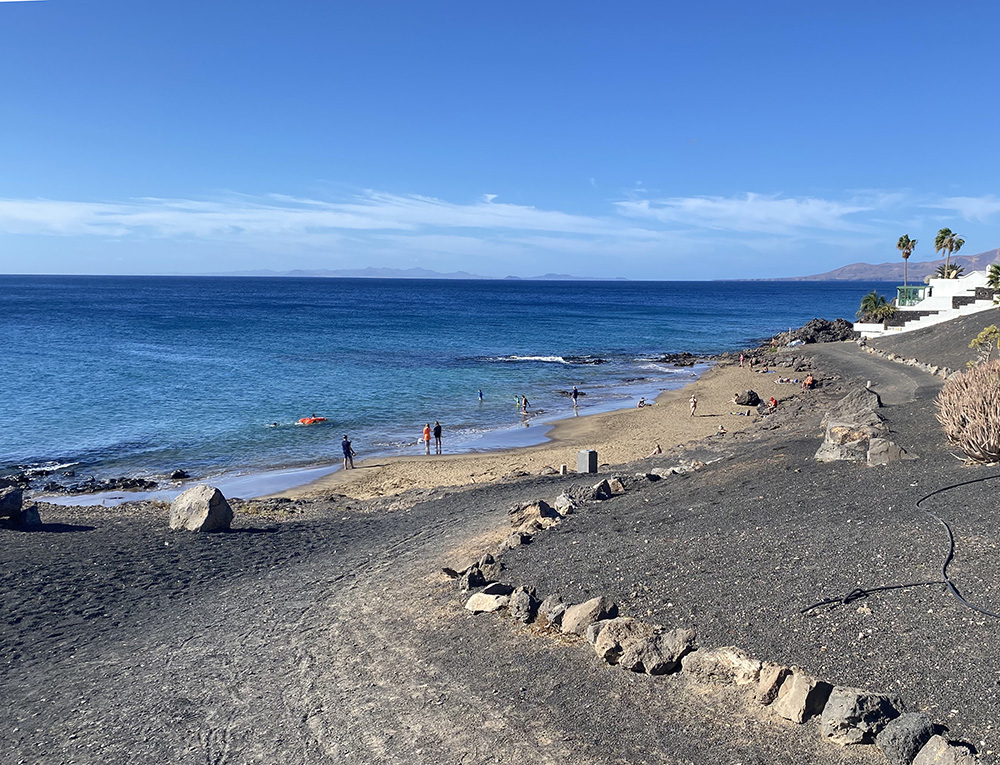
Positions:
{"x": 893, "y": 271}
{"x": 407, "y": 273}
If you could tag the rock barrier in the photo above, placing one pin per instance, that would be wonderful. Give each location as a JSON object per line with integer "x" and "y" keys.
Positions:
{"x": 846, "y": 716}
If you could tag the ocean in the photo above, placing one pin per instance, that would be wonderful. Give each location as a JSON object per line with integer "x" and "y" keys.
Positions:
{"x": 140, "y": 376}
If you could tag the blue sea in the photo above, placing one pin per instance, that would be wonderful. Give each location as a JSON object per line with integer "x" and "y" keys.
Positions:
{"x": 139, "y": 376}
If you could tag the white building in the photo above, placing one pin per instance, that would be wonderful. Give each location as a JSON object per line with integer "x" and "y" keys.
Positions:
{"x": 940, "y": 300}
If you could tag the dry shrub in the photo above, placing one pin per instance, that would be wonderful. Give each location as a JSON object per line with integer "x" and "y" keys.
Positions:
{"x": 968, "y": 407}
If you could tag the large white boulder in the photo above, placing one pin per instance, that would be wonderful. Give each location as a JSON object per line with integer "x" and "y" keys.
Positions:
{"x": 201, "y": 508}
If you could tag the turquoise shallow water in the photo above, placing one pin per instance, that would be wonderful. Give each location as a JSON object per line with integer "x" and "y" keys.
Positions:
{"x": 142, "y": 375}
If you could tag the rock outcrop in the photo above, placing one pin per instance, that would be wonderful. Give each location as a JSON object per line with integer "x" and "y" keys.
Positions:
{"x": 855, "y": 431}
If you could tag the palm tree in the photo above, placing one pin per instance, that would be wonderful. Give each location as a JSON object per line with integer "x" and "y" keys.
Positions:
{"x": 947, "y": 241}
{"x": 905, "y": 245}
{"x": 993, "y": 276}
{"x": 949, "y": 272}
{"x": 872, "y": 305}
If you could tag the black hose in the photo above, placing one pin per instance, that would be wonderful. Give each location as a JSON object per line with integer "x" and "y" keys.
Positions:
{"x": 946, "y": 580}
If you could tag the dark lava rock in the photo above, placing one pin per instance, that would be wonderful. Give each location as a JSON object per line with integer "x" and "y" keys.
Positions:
{"x": 747, "y": 398}
{"x": 679, "y": 359}
{"x": 179, "y": 474}
{"x": 818, "y": 331}
{"x": 903, "y": 737}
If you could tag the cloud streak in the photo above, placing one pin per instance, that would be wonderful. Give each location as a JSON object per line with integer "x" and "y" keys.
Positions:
{"x": 753, "y": 213}
{"x": 375, "y": 224}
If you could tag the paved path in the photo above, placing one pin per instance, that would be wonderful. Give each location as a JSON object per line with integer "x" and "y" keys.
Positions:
{"x": 896, "y": 383}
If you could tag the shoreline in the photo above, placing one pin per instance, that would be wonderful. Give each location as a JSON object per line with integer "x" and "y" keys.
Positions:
{"x": 618, "y": 436}
{"x": 288, "y": 481}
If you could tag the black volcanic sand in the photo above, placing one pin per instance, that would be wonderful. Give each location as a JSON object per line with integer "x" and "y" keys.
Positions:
{"x": 944, "y": 345}
{"x": 330, "y": 635}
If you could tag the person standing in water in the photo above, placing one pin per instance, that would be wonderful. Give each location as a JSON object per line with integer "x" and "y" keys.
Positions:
{"x": 349, "y": 454}
{"x": 480, "y": 395}
{"x": 576, "y": 396}
{"x": 437, "y": 437}
{"x": 524, "y": 404}
{"x": 427, "y": 438}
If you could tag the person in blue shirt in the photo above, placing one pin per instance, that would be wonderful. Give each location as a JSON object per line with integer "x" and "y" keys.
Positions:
{"x": 349, "y": 454}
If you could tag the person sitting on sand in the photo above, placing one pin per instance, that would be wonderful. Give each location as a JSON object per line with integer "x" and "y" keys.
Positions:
{"x": 722, "y": 430}
{"x": 655, "y": 451}
{"x": 642, "y": 403}
{"x": 772, "y": 404}
{"x": 809, "y": 383}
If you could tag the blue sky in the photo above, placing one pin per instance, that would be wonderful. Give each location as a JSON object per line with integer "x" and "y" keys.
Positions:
{"x": 645, "y": 140}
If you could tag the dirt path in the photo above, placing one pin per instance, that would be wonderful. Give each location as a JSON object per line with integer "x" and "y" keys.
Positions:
{"x": 328, "y": 640}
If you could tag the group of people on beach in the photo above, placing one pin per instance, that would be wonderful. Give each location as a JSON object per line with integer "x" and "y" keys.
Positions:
{"x": 426, "y": 437}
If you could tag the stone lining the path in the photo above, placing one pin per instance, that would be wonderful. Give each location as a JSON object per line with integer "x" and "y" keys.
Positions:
{"x": 846, "y": 716}
{"x": 931, "y": 369}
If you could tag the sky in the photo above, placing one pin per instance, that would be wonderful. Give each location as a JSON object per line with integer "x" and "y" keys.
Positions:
{"x": 645, "y": 140}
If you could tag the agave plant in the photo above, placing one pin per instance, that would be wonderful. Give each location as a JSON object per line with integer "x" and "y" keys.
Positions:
{"x": 947, "y": 241}
{"x": 905, "y": 245}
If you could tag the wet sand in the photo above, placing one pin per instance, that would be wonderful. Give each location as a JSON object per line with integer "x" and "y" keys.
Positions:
{"x": 618, "y": 437}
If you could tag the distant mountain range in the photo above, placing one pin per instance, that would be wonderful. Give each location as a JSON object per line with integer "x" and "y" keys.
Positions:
{"x": 402, "y": 273}
{"x": 893, "y": 272}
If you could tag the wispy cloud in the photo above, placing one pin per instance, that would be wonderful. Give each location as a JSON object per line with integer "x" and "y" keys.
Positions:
{"x": 754, "y": 213}
{"x": 641, "y": 228}
{"x": 283, "y": 215}
{"x": 974, "y": 209}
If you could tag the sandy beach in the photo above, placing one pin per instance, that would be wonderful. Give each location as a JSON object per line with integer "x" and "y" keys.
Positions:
{"x": 619, "y": 436}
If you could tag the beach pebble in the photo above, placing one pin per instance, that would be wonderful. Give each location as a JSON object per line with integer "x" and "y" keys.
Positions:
{"x": 553, "y": 608}
{"x": 523, "y": 605}
{"x": 539, "y": 513}
{"x": 481, "y": 603}
{"x": 728, "y": 665}
{"x": 564, "y": 504}
{"x": 800, "y": 697}
{"x": 771, "y": 678}
{"x": 854, "y": 716}
{"x": 937, "y": 751}
{"x": 577, "y": 618}
{"x": 602, "y": 490}
{"x": 659, "y": 653}
{"x": 902, "y": 738}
